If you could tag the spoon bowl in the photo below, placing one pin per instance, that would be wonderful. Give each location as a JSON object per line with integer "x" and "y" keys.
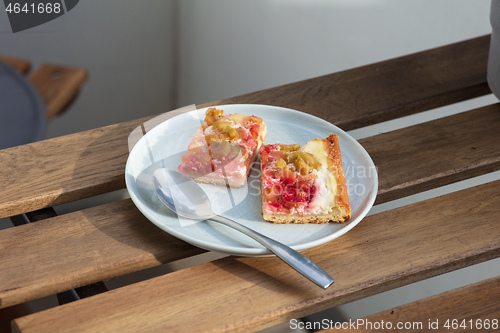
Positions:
{"x": 187, "y": 199}
{"x": 182, "y": 195}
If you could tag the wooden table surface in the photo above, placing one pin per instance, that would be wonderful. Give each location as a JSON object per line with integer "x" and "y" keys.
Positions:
{"x": 385, "y": 251}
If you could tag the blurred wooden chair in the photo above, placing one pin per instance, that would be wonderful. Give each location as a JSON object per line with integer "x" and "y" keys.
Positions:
{"x": 58, "y": 87}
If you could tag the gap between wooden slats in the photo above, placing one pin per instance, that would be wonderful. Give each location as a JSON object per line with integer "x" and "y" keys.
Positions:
{"x": 385, "y": 251}
{"x": 409, "y": 160}
{"x": 92, "y": 162}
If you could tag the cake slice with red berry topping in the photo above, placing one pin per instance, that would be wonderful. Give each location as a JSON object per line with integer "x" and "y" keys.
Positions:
{"x": 224, "y": 148}
{"x": 304, "y": 184}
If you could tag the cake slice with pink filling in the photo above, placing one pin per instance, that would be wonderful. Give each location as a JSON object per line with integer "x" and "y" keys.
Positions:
{"x": 224, "y": 148}
{"x": 304, "y": 184}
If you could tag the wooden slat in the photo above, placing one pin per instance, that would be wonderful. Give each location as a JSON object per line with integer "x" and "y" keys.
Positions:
{"x": 72, "y": 167}
{"x": 43, "y": 258}
{"x": 63, "y": 169}
{"x": 245, "y": 294}
{"x": 358, "y": 97}
{"x": 23, "y": 66}
{"x": 472, "y": 308}
{"x": 426, "y": 155}
{"x": 436, "y": 153}
{"x": 386, "y": 90}
{"x": 58, "y": 86}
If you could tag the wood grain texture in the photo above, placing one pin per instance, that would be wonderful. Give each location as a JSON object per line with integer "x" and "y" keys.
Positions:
{"x": 63, "y": 169}
{"x": 23, "y": 66}
{"x": 478, "y": 303}
{"x": 69, "y": 168}
{"x": 58, "y": 86}
{"x": 436, "y": 153}
{"x": 427, "y": 155}
{"x": 93, "y": 162}
{"x": 385, "y": 251}
{"x": 386, "y": 90}
{"x": 68, "y": 251}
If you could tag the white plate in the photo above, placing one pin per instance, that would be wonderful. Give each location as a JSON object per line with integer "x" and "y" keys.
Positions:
{"x": 168, "y": 141}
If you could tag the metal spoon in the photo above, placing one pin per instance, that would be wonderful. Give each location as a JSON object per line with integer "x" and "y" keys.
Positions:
{"x": 184, "y": 197}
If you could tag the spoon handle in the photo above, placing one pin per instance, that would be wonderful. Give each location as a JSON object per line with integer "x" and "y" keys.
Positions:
{"x": 293, "y": 258}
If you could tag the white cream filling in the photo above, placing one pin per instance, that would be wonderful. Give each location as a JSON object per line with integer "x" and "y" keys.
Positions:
{"x": 325, "y": 198}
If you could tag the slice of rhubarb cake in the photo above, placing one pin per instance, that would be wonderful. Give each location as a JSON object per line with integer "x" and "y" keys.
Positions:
{"x": 304, "y": 185}
{"x": 224, "y": 148}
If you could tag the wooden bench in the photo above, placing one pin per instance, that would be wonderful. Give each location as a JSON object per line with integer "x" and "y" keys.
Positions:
{"x": 385, "y": 251}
